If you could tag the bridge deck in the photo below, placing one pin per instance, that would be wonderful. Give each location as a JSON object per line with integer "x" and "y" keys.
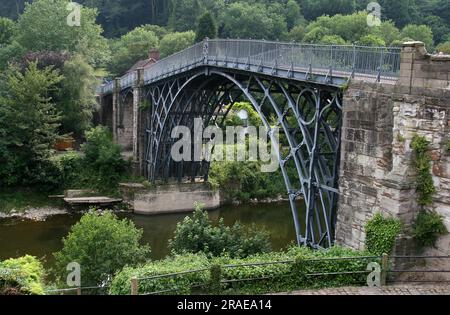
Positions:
{"x": 323, "y": 64}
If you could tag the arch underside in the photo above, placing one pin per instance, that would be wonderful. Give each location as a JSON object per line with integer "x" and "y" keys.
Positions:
{"x": 308, "y": 116}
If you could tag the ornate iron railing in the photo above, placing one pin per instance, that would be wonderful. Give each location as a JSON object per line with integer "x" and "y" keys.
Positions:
{"x": 350, "y": 61}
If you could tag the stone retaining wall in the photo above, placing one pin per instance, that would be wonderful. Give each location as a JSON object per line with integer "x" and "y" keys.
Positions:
{"x": 380, "y": 121}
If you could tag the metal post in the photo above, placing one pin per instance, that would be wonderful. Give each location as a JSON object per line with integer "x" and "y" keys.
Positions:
{"x": 205, "y": 50}
{"x": 381, "y": 66}
{"x": 384, "y": 269}
{"x": 354, "y": 61}
{"x": 78, "y": 291}
{"x": 134, "y": 286}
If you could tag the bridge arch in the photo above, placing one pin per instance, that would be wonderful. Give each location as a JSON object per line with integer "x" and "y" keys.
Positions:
{"x": 309, "y": 116}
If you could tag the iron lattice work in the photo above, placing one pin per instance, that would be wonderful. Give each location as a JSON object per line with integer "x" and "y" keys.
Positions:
{"x": 308, "y": 115}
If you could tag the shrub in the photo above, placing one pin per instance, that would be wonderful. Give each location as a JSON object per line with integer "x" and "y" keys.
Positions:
{"x": 428, "y": 227}
{"x": 120, "y": 285}
{"x": 280, "y": 277}
{"x": 244, "y": 180}
{"x": 21, "y": 276}
{"x": 198, "y": 235}
{"x": 103, "y": 163}
{"x": 102, "y": 244}
{"x": 422, "y": 163}
{"x": 381, "y": 234}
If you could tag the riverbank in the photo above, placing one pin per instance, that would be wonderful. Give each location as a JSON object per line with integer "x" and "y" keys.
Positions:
{"x": 34, "y": 214}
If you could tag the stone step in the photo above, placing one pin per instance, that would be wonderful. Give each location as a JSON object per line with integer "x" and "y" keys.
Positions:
{"x": 100, "y": 201}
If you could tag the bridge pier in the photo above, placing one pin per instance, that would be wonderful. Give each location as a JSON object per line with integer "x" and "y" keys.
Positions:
{"x": 376, "y": 172}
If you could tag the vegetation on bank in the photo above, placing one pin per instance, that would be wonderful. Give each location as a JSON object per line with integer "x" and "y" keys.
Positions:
{"x": 19, "y": 200}
{"x": 102, "y": 245}
{"x": 21, "y": 276}
{"x": 197, "y": 234}
{"x": 268, "y": 278}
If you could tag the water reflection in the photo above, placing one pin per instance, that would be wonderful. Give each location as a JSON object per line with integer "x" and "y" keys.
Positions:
{"x": 41, "y": 239}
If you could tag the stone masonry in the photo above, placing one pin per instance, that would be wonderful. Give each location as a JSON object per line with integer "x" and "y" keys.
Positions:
{"x": 380, "y": 121}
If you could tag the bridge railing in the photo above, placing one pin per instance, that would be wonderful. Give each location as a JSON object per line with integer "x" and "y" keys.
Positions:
{"x": 371, "y": 62}
{"x": 368, "y": 63}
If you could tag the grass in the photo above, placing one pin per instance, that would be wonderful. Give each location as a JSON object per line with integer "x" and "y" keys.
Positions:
{"x": 21, "y": 199}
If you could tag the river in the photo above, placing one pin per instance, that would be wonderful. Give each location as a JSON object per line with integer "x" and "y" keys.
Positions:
{"x": 20, "y": 237}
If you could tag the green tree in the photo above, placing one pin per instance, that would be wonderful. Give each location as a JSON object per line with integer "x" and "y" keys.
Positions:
{"x": 103, "y": 162}
{"x": 76, "y": 98}
{"x": 332, "y": 40}
{"x": 183, "y": 14}
{"x": 439, "y": 27}
{"x": 255, "y": 20}
{"x": 312, "y": 9}
{"x": 28, "y": 124}
{"x": 175, "y": 42}
{"x": 293, "y": 14}
{"x": 402, "y": 12}
{"x": 6, "y": 31}
{"x": 198, "y": 235}
{"x": 386, "y": 31}
{"x": 131, "y": 48}
{"x": 24, "y": 275}
{"x": 372, "y": 40}
{"x": 206, "y": 27}
{"x": 43, "y": 26}
{"x": 421, "y": 33}
{"x": 297, "y": 33}
{"x": 102, "y": 244}
{"x": 444, "y": 48}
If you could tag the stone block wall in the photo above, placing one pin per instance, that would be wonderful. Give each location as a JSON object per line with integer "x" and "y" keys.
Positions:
{"x": 380, "y": 121}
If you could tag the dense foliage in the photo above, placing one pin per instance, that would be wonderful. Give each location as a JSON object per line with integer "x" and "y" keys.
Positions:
{"x": 21, "y": 276}
{"x": 281, "y": 277}
{"x": 102, "y": 245}
{"x": 197, "y": 234}
{"x": 28, "y": 125}
{"x": 422, "y": 163}
{"x": 428, "y": 227}
{"x": 381, "y": 234}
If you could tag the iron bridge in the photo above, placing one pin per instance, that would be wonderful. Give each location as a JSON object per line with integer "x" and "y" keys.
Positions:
{"x": 297, "y": 88}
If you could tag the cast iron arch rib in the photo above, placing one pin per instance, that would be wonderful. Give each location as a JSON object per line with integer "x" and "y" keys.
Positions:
{"x": 308, "y": 114}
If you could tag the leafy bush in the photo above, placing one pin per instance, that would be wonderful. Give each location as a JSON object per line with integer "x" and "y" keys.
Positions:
{"x": 428, "y": 227}
{"x": 244, "y": 181}
{"x": 422, "y": 163}
{"x": 280, "y": 277}
{"x": 102, "y": 244}
{"x": 381, "y": 233}
{"x": 21, "y": 276}
{"x": 103, "y": 165}
{"x": 28, "y": 125}
{"x": 198, "y": 235}
{"x": 120, "y": 285}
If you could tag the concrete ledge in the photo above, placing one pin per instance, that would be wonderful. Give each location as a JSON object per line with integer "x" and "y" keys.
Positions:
{"x": 171, "y": 198}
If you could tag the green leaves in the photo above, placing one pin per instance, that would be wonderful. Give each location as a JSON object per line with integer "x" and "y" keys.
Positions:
{"x": 28, "y": 123}
{"x": 102, "y": 244}
{"x": 196, "y": 234}
{"x": 428, "y": 227}
{"x": 256, "y": 278}
{"x": 422, "y": 163}
{"x": 381, "y": 234}
{"x": 23, "y": 275}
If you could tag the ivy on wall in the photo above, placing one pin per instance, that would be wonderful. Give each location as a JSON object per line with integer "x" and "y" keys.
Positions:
{"x": 429, "y": 225}
{"x": 422, "y": 163}
{"x": 381, "y": 234}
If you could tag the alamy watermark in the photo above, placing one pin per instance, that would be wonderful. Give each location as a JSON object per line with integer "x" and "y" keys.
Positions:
{"x": 74, "y": 17}
{"x": 374, "y": 16}
{"x": 241, "y": 144}
{"x": 74, "y": 276}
